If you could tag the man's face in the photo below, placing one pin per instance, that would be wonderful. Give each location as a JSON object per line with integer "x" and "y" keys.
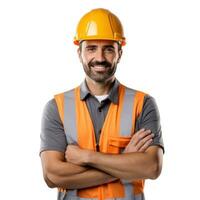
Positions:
{"x": 99, "y": 59}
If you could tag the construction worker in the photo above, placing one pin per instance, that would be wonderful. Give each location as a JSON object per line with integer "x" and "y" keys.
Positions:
{"x": 100, "y": 140}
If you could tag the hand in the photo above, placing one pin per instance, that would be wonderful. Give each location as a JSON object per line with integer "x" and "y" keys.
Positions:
{"x": 140, "y": 141}
{"x": 76, "y": 155}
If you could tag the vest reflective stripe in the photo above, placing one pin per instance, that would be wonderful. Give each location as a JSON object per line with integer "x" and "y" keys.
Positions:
{"x": 70, "y": 117}
{"x": 117, "y": 131}
{"x": 138, "y": 104}
{"x": 127, "y": 110}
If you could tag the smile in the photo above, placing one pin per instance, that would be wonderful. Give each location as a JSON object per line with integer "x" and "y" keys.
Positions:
{"x": 99, "y": 68}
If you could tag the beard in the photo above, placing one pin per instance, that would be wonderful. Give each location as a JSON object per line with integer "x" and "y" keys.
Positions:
{"x": 100, "y": 76}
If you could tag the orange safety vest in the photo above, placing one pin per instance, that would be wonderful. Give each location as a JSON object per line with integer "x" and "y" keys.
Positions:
{"x": 117, "y": 130}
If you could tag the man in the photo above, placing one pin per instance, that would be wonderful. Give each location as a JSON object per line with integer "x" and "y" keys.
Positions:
{"x": 101, "y": 139}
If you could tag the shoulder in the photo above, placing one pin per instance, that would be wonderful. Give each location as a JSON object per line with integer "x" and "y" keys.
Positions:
{"x": 139, "y": 93}
{"x": 149, "y": 101}
{"x": 133, "y": 91}
{"x": 139, "y": 97}
{"x": 50, "y": 106}
{"x": 67, "y": 93}
{"x": 144, "y": 100}
{"x": 150, "y": 108}
{"x": 50, "y": 109}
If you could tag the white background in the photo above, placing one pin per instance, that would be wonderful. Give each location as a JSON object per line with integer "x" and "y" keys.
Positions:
{"x": 38, "y": 60}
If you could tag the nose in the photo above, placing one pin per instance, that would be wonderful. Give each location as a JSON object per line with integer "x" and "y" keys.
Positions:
{"x": 100, "y": 57}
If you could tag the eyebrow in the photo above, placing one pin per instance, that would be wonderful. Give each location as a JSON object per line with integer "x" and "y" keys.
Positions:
{"x": 109, "y": 46}
{"x": 90, "y": 46}
{"x": 106, "y": 46}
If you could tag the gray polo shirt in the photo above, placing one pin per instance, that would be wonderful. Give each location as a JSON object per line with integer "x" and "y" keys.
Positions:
{"x": 52, "y": 132}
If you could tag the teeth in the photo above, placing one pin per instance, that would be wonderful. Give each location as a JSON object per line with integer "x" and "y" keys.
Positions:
{"x": 99, "y": 66}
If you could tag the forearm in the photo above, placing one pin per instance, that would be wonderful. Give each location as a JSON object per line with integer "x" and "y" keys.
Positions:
{"x": 126, "y": 166}
{"x": 66, "y": 169}
{"x": 89, "y": 178}
{"x": 57, "y": 171}
{"x": 54, "y": 163}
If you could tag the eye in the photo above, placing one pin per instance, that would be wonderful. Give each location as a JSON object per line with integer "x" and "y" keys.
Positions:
{"x": 109, "y": 50}
{"x": 91, "y": 49}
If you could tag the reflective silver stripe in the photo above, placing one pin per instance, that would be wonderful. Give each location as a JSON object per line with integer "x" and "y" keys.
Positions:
{"x": 126, "y": 115}
{"x": 70, "y": 117}
{"x": 128, "y": 191}
{"x": 140, "y": 197}
{"x": 71, "y": 133}
{"x": 129, "y": 195}
{"x": 125, "y": 130}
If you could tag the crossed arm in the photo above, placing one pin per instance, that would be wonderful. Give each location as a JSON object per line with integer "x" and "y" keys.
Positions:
{"x": 138, "y": 161}
{"x": 59, "y": 173}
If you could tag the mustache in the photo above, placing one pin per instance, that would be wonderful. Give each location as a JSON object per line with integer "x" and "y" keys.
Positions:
{"x": 103, "y": 63}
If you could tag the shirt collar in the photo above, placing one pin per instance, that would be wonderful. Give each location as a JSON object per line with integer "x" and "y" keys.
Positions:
{"x": 113, "y": 94}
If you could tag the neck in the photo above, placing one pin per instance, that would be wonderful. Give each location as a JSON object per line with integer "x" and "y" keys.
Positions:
{"x": 97, "y": 88}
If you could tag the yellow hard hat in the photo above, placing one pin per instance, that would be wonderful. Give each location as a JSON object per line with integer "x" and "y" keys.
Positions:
{"x": 99, "y": 24}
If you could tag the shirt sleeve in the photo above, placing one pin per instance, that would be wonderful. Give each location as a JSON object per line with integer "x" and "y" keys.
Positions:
{"x": 150, "y": 119}
{"x": 52, "y": 132}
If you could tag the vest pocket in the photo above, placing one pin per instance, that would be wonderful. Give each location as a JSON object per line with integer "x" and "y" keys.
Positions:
{"x": 117, "y": 144}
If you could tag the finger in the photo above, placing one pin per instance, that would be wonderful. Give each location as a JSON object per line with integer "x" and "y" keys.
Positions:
{"x": 143, "y": 133}
{"x": 136, "y": 134}
{"x": 144, "y": 140}
{"x": 141, "y": 130}
{"x": 145, "y": 146}
{"x": 140, "y": 135}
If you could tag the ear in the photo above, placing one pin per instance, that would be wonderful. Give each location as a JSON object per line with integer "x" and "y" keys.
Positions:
{"x": 79, "y": 53}
{"x": 120, "y": 52}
